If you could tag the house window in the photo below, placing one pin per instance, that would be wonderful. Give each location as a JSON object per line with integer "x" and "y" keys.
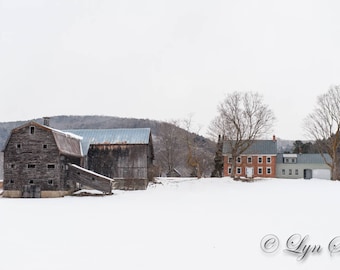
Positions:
{"x": 259, "y": 170}
{"x": 269, "y": 160}
{"x": 229, "y": 170}
{"x": 229, "y": 160}
{"x": 260, "y": 159}
{"x": 283, "y": 172}
{"x": 293, "y": 160}
{"x": 296, "y": 171}
{"x": 290, "y": 172}
{"x": 238, "y": 159}
{"x": 238, "y": 170}
{"x": 249, "y": 160}
{"x": 32, "y": 130}
{"x": 50, "y": 166}
{"x": 269, "y": 170}
{"x": 30, "y": 166}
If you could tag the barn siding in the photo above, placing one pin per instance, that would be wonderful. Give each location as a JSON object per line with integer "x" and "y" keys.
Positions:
{"x": 33, "y": 164}
{"x": 29, "y": 159}
{"x": 119, "y": 161}
{"x": 127, "y": 164}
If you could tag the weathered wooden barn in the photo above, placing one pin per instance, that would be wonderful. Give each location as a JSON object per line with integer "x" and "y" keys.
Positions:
{"x": 123, "y": 154}
{"x": 43, "y": 162}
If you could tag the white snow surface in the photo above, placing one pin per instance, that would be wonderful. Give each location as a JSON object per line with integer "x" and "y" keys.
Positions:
{"x": 179, "y": 224}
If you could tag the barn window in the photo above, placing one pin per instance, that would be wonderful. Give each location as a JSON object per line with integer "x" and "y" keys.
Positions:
{"x": 11, "y": 181}
{"x": 30, "y": 181}
{"x": 11, "y": 166}
{"x": 93, "y": 179}
{"x": 45, "y": 146}
{"x": 50, "y": 182}
{"x": 50, "y": 166}
{"x": 30, "y": 166}
{"x": 31, "y": 130}
{"x": 18, "y": 145}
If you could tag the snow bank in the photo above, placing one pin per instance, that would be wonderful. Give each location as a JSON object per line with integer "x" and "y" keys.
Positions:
{"x": 177, "y": 224}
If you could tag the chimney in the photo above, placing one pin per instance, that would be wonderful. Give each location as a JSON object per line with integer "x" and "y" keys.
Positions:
{"x": 46, "y": 121}
{"x": 274, "y": 138}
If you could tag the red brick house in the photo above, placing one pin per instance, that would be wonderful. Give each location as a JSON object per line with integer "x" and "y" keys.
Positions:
{"x": 259, "y": 160}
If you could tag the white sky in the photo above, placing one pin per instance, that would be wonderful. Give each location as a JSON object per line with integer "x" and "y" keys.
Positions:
{"x": 165, "y": 60}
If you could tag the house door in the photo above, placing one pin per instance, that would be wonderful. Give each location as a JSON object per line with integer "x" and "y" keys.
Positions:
{"x": 249, "y": 172}
{"x": 31, "y": 191}
{"x": 307, "y": 173}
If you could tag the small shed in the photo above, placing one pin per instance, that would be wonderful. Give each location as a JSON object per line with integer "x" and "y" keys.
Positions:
{"x": 173, "y": 173}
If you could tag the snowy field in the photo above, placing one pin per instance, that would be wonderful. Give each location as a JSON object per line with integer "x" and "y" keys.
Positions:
{"x": 179, "y": 224}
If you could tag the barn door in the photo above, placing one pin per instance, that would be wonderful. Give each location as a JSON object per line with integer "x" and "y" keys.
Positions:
{"x": 31, "y": 191}
{"x": 307, "y": 174}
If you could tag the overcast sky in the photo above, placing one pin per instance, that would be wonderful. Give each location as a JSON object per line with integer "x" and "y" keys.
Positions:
{"x": 168, "y": 59}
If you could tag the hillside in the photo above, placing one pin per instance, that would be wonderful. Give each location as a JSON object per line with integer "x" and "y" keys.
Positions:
{"x": 205, "y": 146}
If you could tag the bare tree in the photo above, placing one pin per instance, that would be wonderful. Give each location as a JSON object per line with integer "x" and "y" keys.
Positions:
{"x": 169, "y": 152}
{"x": 242, "y": 118}
{"x": 197, "y": 158}
{"x": 323, "y": 126}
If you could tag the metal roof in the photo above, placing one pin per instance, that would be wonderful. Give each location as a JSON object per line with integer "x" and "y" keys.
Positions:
{"x": 261, "y": 147}
{"x": 112, "y": 136}
{"x": 306, "y": 158}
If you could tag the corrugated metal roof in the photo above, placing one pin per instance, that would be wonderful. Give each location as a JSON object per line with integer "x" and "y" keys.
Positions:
{"x": 112, "y": 136}
{"x": 263, "y": 147}
{"x": 306, "y": 158}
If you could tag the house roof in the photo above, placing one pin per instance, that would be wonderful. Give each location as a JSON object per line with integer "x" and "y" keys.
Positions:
{"x": 68, "y": 144}
{"x": 306, "y": 158}
{"x": 112, "y": 136}
{"x": 263, "y": 147}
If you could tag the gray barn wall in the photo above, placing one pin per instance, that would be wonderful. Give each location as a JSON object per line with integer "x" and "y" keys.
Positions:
{"x": 1, "y": 165}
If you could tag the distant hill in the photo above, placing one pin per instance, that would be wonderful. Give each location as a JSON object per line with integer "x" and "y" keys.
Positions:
{"x": 106, "y": 122}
